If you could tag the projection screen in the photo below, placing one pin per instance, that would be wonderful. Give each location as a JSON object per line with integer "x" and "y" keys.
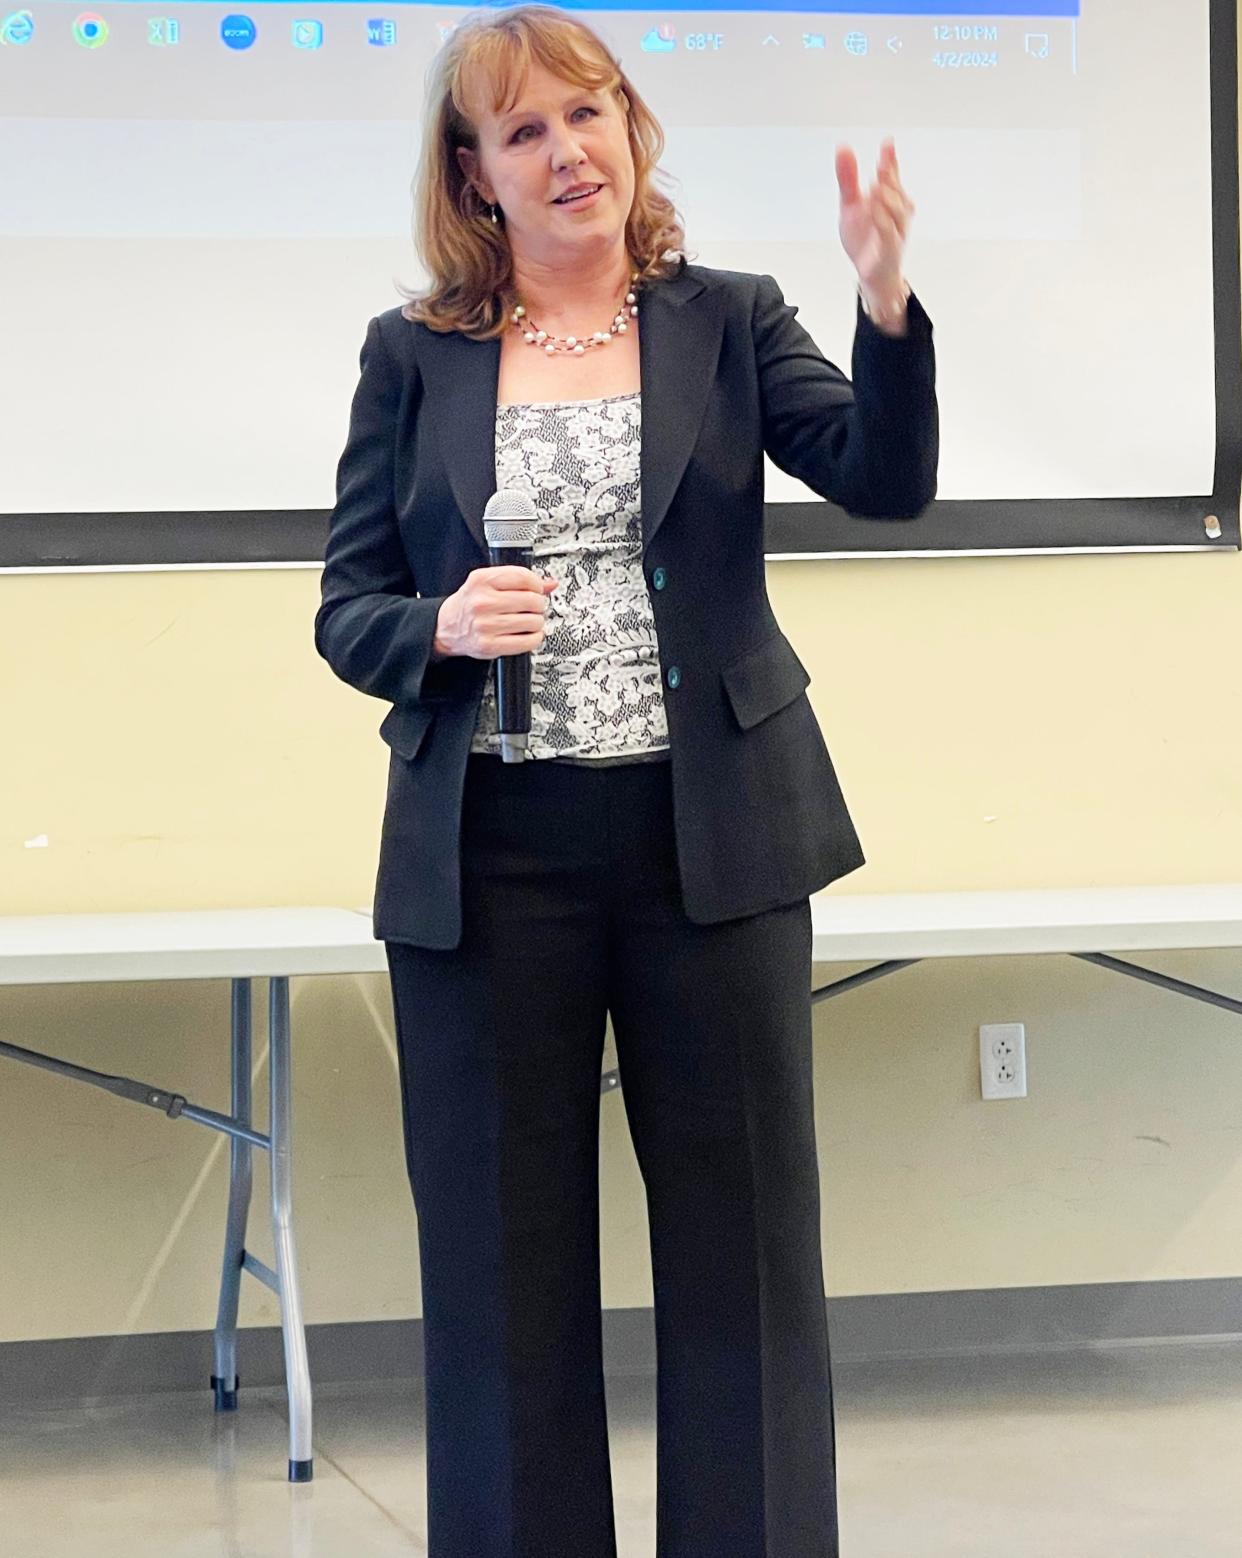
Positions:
{"x": 203, "y": 207}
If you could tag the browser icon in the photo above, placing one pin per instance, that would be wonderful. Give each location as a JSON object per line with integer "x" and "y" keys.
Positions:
{"x": 17, "y": 28}
{"x": 90, "y": 31}
{"x": 307, "y": 35}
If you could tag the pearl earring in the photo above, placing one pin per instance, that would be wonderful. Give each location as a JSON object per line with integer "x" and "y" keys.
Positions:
{"x": 493, "y": 215}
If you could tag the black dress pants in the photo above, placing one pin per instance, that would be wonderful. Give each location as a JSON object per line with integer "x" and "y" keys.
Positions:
{"x": 572, "y": 910}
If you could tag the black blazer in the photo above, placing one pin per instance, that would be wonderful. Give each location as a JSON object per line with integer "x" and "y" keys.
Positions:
{"x": 726, "y": 373}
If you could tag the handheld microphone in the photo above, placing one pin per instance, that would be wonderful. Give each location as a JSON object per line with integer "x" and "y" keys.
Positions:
{"x": 509, "y": 523}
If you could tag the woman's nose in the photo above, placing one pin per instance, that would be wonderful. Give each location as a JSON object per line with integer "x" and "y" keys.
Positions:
{"x": 566, "y": 152}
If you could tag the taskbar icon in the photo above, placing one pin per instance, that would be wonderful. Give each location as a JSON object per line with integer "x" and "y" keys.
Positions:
{"x": 17, "y": 29}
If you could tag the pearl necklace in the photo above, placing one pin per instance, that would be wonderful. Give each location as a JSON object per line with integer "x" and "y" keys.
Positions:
{"x": 570, "y": 345}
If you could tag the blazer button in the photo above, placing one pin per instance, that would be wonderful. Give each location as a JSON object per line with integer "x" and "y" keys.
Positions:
{"x": 674, "y": 675}
{"x": 659, "y": 578}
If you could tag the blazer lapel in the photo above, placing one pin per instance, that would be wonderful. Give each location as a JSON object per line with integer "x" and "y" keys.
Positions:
{"x": 681, "y": 324}
{"x": 462, "y": 377}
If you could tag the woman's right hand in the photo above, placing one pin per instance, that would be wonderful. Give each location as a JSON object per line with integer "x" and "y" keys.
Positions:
{"x": 497, "y": 611}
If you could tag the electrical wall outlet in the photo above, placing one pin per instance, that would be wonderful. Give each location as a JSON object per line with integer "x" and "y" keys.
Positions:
{"x": 1002, "y": 1059}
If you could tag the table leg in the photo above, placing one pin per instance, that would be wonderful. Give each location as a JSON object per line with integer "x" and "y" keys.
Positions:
{"x": 297, "y": 1368}
{"x": 224, "y": 1380}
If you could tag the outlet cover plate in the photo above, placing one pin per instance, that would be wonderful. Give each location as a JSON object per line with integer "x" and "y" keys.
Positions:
{"x": 1002, "y": 1059}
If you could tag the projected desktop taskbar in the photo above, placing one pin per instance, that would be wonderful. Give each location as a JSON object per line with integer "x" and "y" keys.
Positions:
{"x": 961, "y": 35}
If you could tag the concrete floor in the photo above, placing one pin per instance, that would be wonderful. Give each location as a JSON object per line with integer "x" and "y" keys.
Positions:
{"x": 1133, "y": 1451}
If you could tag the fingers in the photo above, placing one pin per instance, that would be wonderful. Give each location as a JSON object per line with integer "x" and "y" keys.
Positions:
{"x": 505, "y": 611}
{"x": 511, "y": 646}
{"x": 518, "y": 589}
{"x": 520, "y": 622}
{"x": 889, "y": 203}
{"x": 890, "y": 178}
{"x": 521, "y": 601}
{"x": 509, "y": 591}
{"x": 513, "y": 627}
{"x": 887, "y": 185}
{"x": 515, "y": 633}
{"x": 847, "y": 175}
{"x": 515, "y": 620}
{"x": 886, "y": 226}
{"x": 888, "y": 173}
{"x": 508, "y": 576}
{"x": 497, "y": 611}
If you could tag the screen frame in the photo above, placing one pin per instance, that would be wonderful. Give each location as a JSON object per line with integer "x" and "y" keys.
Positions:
{"x": 812, "y": 529}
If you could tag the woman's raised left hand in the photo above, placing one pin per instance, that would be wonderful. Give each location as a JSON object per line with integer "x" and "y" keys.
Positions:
{"x": 874, "y": 225}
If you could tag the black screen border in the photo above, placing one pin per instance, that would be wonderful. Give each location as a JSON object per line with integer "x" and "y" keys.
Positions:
{"x": 292, "y": 537}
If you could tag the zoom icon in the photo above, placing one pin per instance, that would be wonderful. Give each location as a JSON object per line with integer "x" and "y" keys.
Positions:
{"x": 90, "y": 31}
{"x": 237, "y": 32}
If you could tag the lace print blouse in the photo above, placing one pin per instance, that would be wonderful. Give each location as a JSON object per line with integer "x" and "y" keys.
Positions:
{"x": 596, "y": 693}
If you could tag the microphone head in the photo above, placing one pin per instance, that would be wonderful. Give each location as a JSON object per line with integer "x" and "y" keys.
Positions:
{"x": 510, "y": 518}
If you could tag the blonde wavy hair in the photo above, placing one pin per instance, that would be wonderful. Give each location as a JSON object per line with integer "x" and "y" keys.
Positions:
{"x": 465, "y": 254}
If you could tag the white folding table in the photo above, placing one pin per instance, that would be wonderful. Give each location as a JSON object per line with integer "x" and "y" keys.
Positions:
{"x": 900, "y": 929}
{"x": 904, "y": 928}
{"x": 239, "y": 945}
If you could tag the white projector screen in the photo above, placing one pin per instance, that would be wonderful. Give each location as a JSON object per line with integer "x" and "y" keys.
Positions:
{"x": 202, "y": 209}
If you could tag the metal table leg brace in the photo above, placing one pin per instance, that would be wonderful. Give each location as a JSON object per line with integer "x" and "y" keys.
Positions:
{"x": 1101, "y": 960}
{"x": 284, "y": 1280}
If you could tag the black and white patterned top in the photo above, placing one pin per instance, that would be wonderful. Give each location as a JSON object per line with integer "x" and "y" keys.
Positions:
{"x": 596, "y": 694}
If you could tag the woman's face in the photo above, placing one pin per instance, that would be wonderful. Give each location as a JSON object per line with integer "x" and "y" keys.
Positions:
{"x": 556, "y": 137}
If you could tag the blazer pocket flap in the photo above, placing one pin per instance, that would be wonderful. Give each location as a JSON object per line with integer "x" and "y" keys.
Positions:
{"x": 764, "y": 679}
{"x": 404, "y": 727}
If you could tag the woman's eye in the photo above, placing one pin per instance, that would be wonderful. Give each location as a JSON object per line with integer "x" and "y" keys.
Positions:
{"x": 521, "y": 135}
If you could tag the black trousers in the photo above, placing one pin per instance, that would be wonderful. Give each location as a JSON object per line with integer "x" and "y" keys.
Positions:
{"x": 573, "y": 911}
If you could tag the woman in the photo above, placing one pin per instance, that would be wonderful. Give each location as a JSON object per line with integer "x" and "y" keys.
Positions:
{"x": 652, "y": 858}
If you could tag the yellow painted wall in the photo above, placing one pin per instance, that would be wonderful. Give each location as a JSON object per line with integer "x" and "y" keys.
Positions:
{"x": 1002, "y": 722}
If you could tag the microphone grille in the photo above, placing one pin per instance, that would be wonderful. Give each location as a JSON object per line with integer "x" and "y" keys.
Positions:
{"x": 510, "y": 518}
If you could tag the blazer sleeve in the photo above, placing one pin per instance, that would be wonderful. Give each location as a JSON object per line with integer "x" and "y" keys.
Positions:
{"x": 871, "y": 446}
{"x": 372, "y": 627}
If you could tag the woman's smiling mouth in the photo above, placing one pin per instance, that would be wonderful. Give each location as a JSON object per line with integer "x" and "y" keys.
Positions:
{"x": 579, "y": 195}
